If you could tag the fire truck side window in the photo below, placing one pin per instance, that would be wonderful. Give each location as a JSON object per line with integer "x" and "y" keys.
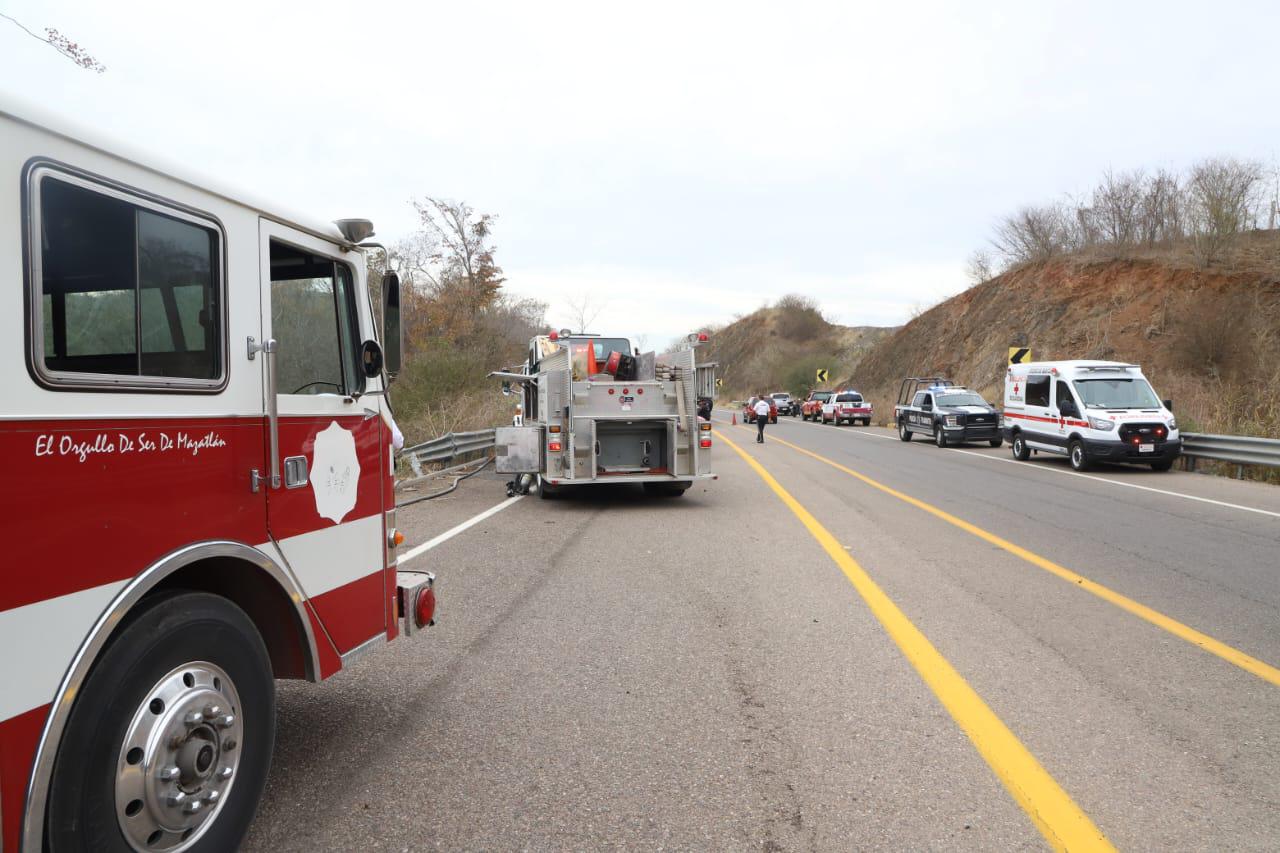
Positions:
{"x": 125, "y": 290}
{"x": 313, "y": 320}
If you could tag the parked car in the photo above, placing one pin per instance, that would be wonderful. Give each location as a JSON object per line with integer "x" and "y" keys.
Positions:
{"x": 847, "y": 407}
{"x": 749, "y": 411}
{"x": 786, "y": 405}
{"x": 811, "y": 408}
{"x": 948, "y": 414}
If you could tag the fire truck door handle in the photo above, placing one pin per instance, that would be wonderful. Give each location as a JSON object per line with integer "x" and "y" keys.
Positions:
{"x": 269, "y": 347}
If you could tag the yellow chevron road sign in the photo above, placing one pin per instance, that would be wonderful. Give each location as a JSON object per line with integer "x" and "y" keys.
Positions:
{"x": 1019, "y": 355}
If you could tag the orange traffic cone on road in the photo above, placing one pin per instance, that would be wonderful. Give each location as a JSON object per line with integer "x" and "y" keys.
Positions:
{"x": 734, "y": 422}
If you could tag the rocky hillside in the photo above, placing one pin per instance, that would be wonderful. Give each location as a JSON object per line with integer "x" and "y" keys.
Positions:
{"x": 1208, "y": 339}
{"x": 781, "y": 346}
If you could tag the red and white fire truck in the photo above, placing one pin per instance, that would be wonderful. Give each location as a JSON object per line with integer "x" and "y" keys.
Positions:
{"x": 197, "y": 489}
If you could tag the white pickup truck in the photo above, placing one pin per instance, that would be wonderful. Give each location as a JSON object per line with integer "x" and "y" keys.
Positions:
{"x": 847, "y": 407}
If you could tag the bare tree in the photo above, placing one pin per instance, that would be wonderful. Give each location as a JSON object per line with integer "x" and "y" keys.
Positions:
{"x": 463, "y": 254}
{"x": 1161, "y": 218}
{"x": 1117, "y": 208}
{"x": 1035, "y": 234}
{"x": 979, "y": 267}
{"x": 62, "y": 45}
{"x": 583, "y": 310}
{"x": 1222, "y": 199}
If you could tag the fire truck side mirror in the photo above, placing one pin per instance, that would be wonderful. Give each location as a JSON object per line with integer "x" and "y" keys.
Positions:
{"x": 371, "y": 359}
{"x": 391, "y": 321}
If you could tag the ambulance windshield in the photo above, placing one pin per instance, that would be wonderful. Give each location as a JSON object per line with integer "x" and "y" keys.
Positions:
{"x": 1125, "y": 393}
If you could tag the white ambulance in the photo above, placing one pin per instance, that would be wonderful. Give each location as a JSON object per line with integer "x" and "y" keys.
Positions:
{"x": 1088, "y": 411}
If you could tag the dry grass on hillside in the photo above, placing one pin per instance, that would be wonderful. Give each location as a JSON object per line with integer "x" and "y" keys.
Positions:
{"x": 780, "y": 347}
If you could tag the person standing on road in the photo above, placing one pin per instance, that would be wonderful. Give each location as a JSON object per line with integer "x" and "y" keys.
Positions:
{"x": 761, "y": 409}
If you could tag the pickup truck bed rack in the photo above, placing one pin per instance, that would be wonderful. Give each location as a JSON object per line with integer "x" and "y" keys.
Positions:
{"x": 912, "y": 384}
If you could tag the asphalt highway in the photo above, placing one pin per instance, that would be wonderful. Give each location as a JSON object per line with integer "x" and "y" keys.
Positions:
{"x": 846, "y": 642}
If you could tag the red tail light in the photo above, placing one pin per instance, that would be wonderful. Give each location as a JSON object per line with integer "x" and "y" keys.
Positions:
{"x": 424, "y": 610}
{"x": 706, "y": 442}
{"x": 554, "y": 447}
{"x": 702, "y": 336}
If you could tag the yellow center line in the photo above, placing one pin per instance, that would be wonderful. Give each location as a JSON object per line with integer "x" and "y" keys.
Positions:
{"x": 1262, "y": 669}
{"x": 1055, "y": 814}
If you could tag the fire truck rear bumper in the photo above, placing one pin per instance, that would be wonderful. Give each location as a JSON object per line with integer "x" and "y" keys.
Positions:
{"x": 629, "y": 478}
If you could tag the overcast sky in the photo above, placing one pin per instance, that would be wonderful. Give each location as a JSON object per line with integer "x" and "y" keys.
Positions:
{"x": 684, "y": 162}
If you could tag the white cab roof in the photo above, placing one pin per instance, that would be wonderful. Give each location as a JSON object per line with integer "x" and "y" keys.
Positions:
{"x": 59, "y": 125}
{"x": 1071, "y": 366}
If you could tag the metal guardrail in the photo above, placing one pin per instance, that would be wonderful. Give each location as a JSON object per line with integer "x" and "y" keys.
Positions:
{"x": 447, "y": 447}
{"x": 1239, "y": 449}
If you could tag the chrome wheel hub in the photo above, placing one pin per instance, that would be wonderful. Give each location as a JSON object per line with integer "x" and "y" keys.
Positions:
{"x": 179, "y": 758}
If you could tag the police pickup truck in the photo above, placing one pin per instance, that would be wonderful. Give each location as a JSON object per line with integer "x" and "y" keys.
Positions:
{"x": 946, "y": 412}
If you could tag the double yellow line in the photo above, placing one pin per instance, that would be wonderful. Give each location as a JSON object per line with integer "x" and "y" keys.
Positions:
{"x": 1063, "y": 823}
{"x": 1232, "y": 655}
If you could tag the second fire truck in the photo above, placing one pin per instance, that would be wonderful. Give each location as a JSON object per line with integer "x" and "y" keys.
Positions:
{"x": 596, "y": 412}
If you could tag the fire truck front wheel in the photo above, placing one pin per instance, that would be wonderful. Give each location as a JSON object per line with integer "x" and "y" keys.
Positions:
{"x": 169, "y": 742}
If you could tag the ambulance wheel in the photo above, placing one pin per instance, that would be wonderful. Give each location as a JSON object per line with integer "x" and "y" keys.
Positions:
{"x": 168, "y": 744}
{"x": 1162, "y": 465}
{"x": 939, "y": 436}
{"x": 996, "y": 442}
{"x": 1078, "y": 456}
{"x": 1019, "y": 446}
{"x": 904, "y": 434}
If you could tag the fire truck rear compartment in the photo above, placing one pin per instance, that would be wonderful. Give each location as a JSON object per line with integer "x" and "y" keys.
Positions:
{"x": 631, "y": 448}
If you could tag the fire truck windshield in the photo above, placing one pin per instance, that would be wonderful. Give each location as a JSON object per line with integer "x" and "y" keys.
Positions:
{"x": 604, "y": 346}
{"x": 589, "y": 355}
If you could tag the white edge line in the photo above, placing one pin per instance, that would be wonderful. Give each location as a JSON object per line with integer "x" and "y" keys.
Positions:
{"x": 454, "y": 531}
{"x": 1126, "y": 485}
{"x": 1241, "y": 507}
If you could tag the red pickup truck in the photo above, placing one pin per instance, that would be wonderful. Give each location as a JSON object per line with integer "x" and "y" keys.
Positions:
{"x": 749, "y": 411}
{"x": 811, "y": 408}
